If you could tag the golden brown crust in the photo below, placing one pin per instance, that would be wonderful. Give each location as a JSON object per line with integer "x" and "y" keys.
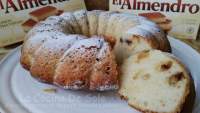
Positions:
{"x": 73, "y": 70}
{"x": 87, "y": 67}
{"x": 153, "y": 35}
{"x": 159, "y": 37}
{"x": 47, "y": 56}
{"x": 24, "y": 60}
{"x": 104, "y": 67}
{"x": 24, "y": 65}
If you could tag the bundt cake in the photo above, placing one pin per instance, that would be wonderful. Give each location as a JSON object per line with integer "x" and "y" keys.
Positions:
{"x": 63, "y": 50}
{"x": 154, "y": 82}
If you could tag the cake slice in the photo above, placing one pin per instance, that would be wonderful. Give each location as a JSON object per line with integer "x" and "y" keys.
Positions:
{"x": 42, "y": 13}
{"x": 154, "y": 82}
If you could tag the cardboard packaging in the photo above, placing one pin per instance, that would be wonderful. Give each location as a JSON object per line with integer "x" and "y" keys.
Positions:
{"x": 179, "y": 18}
{"x": 97, "y": 4}
{"x": 18, "y": 16}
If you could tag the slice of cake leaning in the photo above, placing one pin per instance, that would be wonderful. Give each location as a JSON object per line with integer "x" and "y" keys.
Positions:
{"x": 154, "y": 82}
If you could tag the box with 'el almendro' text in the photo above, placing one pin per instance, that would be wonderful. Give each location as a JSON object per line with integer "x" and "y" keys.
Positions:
{"x": 179, "y": 18}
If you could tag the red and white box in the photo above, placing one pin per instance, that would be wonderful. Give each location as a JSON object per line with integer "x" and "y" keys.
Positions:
{"x": 17, "y": 17}
{"x": 179, "y": 18}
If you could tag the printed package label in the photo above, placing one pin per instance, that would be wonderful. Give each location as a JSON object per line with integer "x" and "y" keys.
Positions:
{"x": 17, "y": 17}
{"x": 179, "y": 18}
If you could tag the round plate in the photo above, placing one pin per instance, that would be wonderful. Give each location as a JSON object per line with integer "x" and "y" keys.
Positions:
{"x": 20, "y": 93}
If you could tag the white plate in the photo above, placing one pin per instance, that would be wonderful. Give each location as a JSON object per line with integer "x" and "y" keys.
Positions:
{"x": 20, "y": 93}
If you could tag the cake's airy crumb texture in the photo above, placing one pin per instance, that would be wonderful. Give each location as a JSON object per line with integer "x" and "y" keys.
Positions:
{"x": 154, "y": 82}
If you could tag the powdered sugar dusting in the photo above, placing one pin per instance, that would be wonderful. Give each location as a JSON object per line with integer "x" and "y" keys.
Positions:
{"x": 69, "y": 17}
{"x": 51, "y": 24}
{"x": 61, "y": 42}
{"x": 50, "y": 38}
{"x": 86, "y": 43}
{"x": 81, "y": 17}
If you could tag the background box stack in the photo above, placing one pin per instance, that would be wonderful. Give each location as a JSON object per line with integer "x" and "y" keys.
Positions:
{"x": 178, "y": 18}
{"x": 97, "y": 4}
{"x": 104, "y": 5}
{"x": 39, "y": 15}
{"x": 18, "y": 17}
